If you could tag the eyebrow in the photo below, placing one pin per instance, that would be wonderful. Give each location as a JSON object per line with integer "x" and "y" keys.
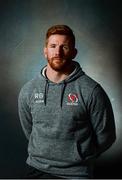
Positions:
{"x": 64, "y": 44}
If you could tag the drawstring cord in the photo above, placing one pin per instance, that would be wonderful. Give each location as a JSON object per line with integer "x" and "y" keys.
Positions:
{"x": 46, "y": 91}
{"x": 62, "y": 93}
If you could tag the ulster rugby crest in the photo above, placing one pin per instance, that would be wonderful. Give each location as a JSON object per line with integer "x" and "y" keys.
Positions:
{"x": 72, "y": 99}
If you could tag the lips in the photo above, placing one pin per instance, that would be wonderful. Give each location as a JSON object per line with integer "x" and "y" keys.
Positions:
{"x": 57, "y": 58}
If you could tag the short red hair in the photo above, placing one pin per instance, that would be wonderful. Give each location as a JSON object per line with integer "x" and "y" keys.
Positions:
{"x": 62, "y": 30}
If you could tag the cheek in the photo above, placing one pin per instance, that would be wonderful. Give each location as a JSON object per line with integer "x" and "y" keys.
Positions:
{"x": 51, "y": 53}
{"x": 48, "y": 52}
{"x": 67, "y": 54}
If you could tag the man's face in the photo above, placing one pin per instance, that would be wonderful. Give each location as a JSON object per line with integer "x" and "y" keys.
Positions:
{"x": 59, "y": 51}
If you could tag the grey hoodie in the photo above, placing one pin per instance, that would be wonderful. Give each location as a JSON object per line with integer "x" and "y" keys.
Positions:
{"x": 68, "y": 124}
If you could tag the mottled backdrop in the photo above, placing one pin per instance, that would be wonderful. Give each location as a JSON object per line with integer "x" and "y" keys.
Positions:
{"x": 23, "y": 23}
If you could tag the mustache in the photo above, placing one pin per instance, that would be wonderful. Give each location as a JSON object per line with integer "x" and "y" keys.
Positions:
{"x": 58, "y": 58}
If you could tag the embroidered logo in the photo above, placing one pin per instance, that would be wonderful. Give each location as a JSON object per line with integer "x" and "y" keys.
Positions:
{"x": 72, "y": 99}
{"x": 39, "y": 97}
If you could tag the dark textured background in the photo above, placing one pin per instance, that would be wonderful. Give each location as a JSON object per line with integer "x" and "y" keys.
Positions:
{"x": 23, "y": 23}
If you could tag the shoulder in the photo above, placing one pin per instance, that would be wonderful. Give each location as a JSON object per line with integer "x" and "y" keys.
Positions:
{"x": 87, "y": 84}
{"x": 92, "y": 90}
{"x": 28, "y": 88}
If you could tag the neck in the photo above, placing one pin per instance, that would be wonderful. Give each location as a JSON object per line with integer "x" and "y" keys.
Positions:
{"x": 58, "y": 76}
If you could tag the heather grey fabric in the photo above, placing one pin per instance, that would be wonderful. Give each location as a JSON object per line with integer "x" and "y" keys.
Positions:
{"x": 67, "y": 124}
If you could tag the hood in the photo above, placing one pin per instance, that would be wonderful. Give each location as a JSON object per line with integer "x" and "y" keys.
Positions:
{"x": 72, "y": 77}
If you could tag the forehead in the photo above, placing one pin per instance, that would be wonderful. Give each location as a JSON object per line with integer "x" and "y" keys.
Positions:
{"x": 60, "y": 39}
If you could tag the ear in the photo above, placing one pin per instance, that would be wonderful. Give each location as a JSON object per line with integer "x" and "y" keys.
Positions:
{"x": 74, "y": 53}
{"x": 45, "y": 52}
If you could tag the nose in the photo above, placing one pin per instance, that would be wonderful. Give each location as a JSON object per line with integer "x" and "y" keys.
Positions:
{"x": 58, "y": 50}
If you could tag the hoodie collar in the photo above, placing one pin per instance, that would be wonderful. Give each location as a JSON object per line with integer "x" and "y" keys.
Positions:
{"x": 73, "y": 76}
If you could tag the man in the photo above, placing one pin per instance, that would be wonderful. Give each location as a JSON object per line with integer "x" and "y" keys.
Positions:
{"x": 66, "y": 116}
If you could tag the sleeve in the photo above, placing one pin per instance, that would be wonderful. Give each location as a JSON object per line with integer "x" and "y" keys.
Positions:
{"x": 102, "y": 119}
{"x": 24, "y": 114}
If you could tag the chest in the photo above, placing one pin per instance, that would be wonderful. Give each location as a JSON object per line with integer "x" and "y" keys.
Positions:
{"x": 62, "y": 106}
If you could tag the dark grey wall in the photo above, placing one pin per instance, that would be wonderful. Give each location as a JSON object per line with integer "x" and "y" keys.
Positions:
{"x": 23, "y": 23}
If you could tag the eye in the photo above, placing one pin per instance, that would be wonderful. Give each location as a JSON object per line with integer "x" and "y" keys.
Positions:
{"x": 66, "y": 47}
{"x": 52, "y": 46}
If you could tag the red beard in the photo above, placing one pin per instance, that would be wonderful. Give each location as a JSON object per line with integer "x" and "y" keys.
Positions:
{"x": 58, "y": 64}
